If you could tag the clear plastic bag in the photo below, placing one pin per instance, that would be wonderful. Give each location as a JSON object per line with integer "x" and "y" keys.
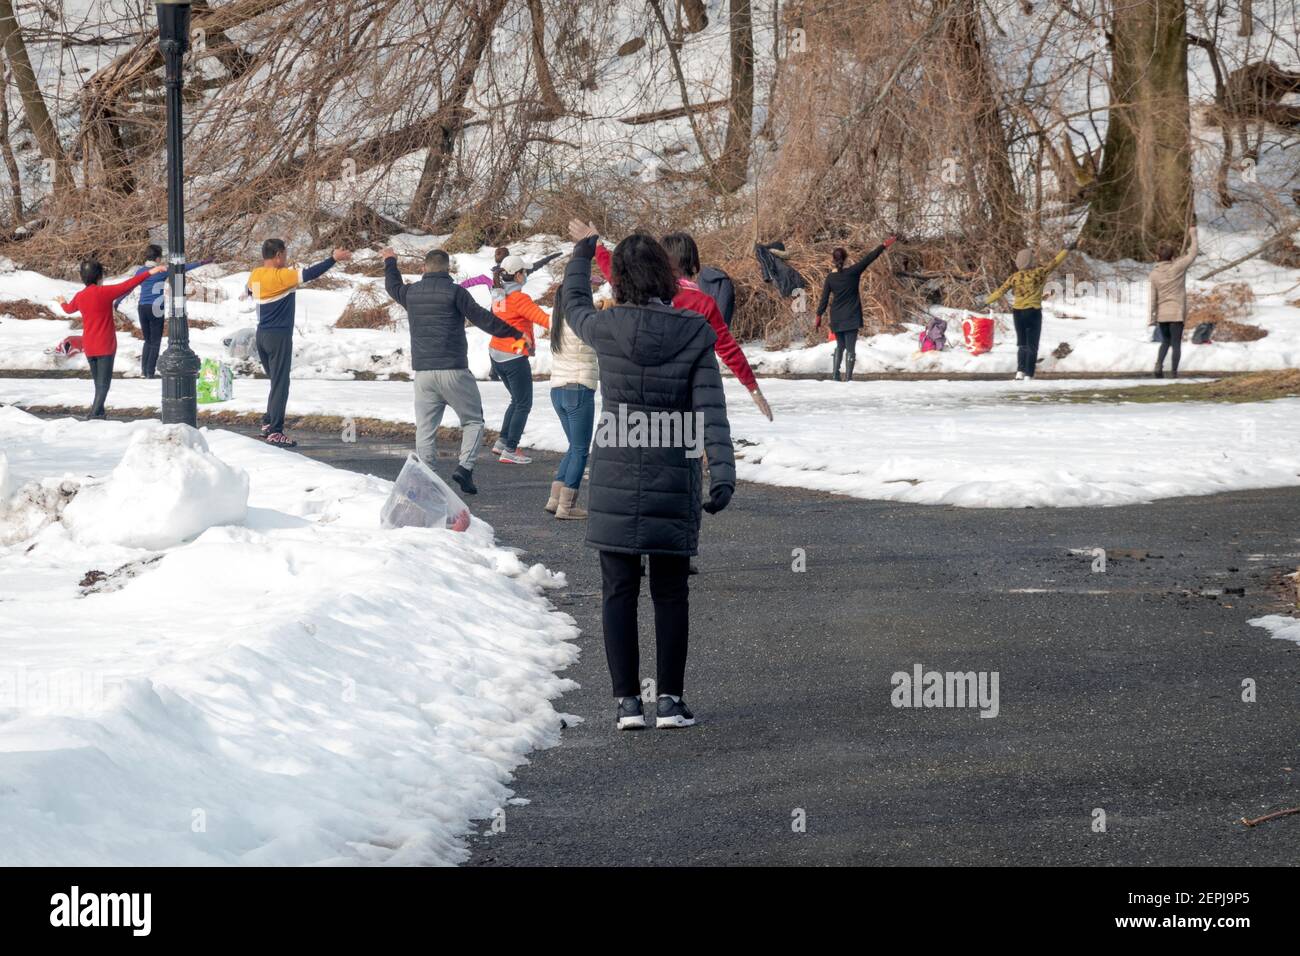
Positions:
{"x": 420, "y": 499}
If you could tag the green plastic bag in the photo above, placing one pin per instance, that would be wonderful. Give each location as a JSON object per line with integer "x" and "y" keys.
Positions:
{"x": 216, "y": 382}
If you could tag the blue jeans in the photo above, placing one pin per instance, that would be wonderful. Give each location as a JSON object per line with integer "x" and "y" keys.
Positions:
{"x": 577, "y": 410}
{"x": 517, "y": 374}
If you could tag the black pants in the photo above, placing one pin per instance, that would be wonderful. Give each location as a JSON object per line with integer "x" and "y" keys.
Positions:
{"x": 152, "y": 327}
{"x": 518, "y": 377}
{"x": 621, "y": 587}
{"x": 275, "y": 349}
{"x": 1029, "y": 327}
{"x": 846, "y": 342}
{"x": 1171, "y": 339}
{"x": 101, "y": 370}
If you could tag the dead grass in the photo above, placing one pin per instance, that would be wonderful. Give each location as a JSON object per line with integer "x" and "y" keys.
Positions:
{"x": 25, "y": 310}
{"x": 1254, "y": 387}
{"x": 1226, "y": 306}
{"x": 367, "y": 309}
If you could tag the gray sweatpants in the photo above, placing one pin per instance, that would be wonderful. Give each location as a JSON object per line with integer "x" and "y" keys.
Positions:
{"x": 435, "y": 389}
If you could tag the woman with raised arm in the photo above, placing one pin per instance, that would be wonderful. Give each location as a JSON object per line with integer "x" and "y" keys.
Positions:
{"x": 841, "y": 291}
{"x": 1169, "y": 300}
{"x": 1026, "y": 285}
{"x": 98, "y": 333}
{"x": 657, "y": 368}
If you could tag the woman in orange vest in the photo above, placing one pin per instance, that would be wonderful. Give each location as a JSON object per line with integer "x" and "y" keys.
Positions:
{"x": 510, "y": 357}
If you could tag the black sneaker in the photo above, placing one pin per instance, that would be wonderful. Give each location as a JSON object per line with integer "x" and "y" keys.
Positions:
{"x": 673, "y": 713}
{"x": 465, "y": 478}
{"x": 630, "y": 716}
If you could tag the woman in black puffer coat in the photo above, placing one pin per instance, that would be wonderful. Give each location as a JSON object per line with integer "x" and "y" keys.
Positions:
{"x": 657, "y": 367}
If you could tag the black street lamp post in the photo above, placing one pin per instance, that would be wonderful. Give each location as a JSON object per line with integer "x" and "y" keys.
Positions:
{"x": 179, "y": 365}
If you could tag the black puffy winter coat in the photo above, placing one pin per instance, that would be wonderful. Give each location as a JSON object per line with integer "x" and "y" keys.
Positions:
{"x": 657, "y": 367}
{"x": 437, "y": 308}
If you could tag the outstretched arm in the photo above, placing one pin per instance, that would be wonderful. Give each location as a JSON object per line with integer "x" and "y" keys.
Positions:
{"x": 1002, "y": 290}
{"x": 709, "y": 401}
{"x": 483, "y": 319}
{"x": 1184, "y": 262}
{"x": 575, "y": 292}
{"x": 393, "y": 283}
{"x": 861, "y": 265}
{"x": 603, "y": 260}
{"x": 541, "y": 262}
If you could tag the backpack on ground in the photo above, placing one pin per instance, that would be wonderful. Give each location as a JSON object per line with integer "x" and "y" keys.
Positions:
{"x": 935, "y": 336}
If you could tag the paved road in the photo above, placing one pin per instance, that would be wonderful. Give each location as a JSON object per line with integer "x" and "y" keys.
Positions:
{"x": 1118, "y": 690}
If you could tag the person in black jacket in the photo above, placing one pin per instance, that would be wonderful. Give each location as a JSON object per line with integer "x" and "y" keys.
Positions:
{"x": 657, "y": 368}
{"x": 437, "y": 308}
{"x": 841, "y": 290}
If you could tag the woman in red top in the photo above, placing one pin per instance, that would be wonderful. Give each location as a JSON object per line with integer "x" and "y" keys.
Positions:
{"x": 98, "y": 334}
{"x": 685, "y": 257}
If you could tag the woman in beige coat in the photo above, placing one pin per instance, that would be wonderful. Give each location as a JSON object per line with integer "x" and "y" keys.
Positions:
{"x": 574, "y": 373}
{"x": 1169, "y": 300}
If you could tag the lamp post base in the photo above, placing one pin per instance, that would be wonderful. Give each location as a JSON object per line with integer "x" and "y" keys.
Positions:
{"x": 179, "y": 368}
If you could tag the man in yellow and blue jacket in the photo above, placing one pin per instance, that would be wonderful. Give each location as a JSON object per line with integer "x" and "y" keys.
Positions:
{"x": 273, "y": 285}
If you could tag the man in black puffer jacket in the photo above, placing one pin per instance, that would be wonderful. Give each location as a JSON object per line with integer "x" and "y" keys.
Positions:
{"x": 437, "y": 308}
{"x": 658, "y": 379}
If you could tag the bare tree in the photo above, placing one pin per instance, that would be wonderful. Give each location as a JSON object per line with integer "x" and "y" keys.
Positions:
{"x": 33, "y": 100}
{"x": 1145, "y": 187}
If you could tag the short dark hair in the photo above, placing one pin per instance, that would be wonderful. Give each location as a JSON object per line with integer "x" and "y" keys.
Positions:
{"x": 153, "y": 251}
{"x": 501, "y": 254}
{"x": 437, "y": 260}
{"x": 683, "y": 253}
{"x": 92, "y": 271}
{"x": 640, "y": 271}
{"x": 1165, "y": 250}
{"x": 272, "y": 248}
{"x": 838, "y": 256}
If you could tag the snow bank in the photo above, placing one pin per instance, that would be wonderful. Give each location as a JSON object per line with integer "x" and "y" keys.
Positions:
{"x": 168, "y": 487}
{"x": 298, "y": 688}
{"x": 1279, "y": 626}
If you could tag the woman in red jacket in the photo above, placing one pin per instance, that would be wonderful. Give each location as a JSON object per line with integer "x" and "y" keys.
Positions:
{"x": 685, "y": 257}
{"x": 99, "y": 336}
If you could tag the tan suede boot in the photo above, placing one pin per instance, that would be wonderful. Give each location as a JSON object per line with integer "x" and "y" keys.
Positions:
{"x": 553, "y": 502}
{"x": 569, "y": 505}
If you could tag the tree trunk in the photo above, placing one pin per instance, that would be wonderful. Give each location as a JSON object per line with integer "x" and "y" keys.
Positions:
{"x": 1144, "y": 190}
{"x": 994, "y": 202}
{"x": 38, "y": 115}
{"x": 451, "y": 117}
{"x": 552, "y": 105}
{"x": 11, "y": 161}
{"x": 733, "y": 164}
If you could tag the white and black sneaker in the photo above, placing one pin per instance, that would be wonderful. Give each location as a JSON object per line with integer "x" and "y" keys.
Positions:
{"x": 673, "y": 712}
{"x": 630, "y": 715}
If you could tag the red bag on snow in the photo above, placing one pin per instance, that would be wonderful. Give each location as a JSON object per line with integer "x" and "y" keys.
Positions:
{"x": 977, "y": 331}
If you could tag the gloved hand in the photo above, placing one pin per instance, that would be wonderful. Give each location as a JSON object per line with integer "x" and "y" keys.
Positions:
{"x": 719, "y": 498}
{"x": 817, "y": 324}
{"x": 890, "y": 240}
{"x": 521, "y": 346}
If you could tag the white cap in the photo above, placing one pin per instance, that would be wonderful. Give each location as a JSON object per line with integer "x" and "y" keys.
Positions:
{"x": 512, "y": 264}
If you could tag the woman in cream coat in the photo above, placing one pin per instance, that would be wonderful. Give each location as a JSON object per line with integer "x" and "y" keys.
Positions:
{"x": 574, "y": 373}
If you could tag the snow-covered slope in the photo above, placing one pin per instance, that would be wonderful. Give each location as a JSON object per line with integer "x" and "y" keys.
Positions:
{"x": 291, "y": 686}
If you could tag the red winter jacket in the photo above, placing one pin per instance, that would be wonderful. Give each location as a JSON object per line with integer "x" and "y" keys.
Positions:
{"x": 95, "y": 303}
{"x": 689, "y": 296}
